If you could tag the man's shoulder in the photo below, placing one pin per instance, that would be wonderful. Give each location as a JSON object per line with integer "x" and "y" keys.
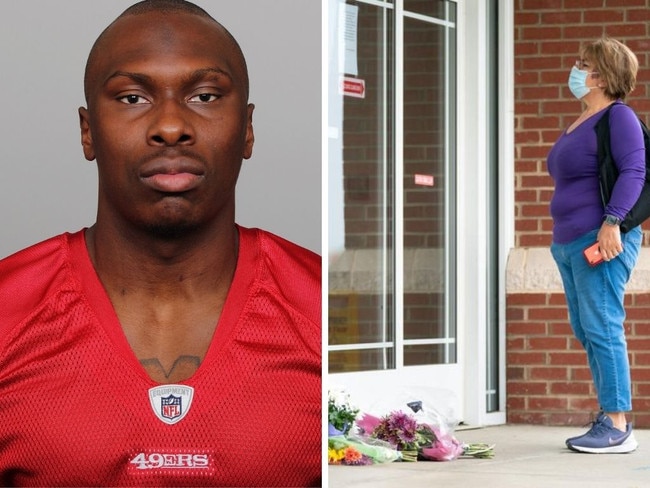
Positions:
{"x": 294, "y": 270}
{"x": 279, "y": 248}
{"x": 289, "y": 261}
{"x": 31, "y": 275}
{"x": 31, "y": 259}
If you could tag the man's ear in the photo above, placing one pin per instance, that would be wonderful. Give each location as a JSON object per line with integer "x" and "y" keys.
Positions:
{"x": 86, "y": 134}
{"x": 250, "y": 136}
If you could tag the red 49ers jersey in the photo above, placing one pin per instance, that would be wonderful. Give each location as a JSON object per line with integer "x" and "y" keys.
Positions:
{"x": 78, "y": 409}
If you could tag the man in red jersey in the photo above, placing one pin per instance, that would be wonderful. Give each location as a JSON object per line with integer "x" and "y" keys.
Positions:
{"x": 164, "y": 345}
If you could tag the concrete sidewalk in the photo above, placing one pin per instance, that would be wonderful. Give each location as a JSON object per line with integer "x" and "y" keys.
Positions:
{"x": 526, "y": 456}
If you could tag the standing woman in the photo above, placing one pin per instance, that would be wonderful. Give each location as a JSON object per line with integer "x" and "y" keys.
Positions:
{"x": 604, "y": 75}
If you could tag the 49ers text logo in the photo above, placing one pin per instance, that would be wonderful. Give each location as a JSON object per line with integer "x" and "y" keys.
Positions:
{"x": 156, "y": 460}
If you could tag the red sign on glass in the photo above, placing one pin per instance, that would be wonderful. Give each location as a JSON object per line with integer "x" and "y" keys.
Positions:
{"x": 353, "y": 87}
{"x": 424, "y": 180}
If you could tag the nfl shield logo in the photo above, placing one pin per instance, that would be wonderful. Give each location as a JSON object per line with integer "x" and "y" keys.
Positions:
{"x": 171, "y": 407}
{"x": 171, "y": 403}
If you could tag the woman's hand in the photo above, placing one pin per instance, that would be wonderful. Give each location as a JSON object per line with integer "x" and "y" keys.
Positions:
{"x": 609, "y": 240}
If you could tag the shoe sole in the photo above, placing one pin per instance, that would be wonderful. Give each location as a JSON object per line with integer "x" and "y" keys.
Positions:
{"x": 629, "y": 445}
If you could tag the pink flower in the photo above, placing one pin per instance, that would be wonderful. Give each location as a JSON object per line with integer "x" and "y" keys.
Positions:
{"x": 368, "y": 423}
{"x": 445, "y": 448}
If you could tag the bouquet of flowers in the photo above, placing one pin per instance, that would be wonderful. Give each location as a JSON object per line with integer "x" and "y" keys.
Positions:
{"x": 344, "y": 446}
{"x": 419, "y": 439}
{"x": 400, "y": 430}
{"x": 351, "y": 450}
{"x": 343, "y": 453}
{"x": 341, "y": 412}
{"x": 415, "y": 432}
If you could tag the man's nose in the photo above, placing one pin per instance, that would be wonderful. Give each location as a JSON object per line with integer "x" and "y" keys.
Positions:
{"x": 170, "y": 124}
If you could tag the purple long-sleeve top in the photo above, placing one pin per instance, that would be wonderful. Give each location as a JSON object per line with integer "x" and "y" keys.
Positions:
{"x": 576, "y": 206}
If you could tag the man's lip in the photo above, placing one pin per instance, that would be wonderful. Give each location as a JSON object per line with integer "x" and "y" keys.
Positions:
{"x": 171, "y": 176}
{"x": 170, "y": 167}
{"x": 172, "y": 182}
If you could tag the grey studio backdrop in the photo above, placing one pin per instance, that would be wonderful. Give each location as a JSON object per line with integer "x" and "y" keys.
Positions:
{"x": 46, "y": 185}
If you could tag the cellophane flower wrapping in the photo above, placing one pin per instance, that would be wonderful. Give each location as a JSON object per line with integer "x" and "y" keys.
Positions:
{"x": 352, "y": 450}
{"x": 405, "y": 433}
{"x": 344, "y": 446}
{"x": 411, "y": 422}
{"x": 407, "y": 426}
{"x": 445, "y": 448}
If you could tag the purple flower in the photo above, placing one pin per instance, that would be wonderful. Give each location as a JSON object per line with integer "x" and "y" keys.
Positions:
{"x": 399, "y": 429}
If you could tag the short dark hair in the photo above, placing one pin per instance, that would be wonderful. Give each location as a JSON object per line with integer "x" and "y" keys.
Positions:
{"x": 615, "y": 63}
{"x": 166, "y": 7}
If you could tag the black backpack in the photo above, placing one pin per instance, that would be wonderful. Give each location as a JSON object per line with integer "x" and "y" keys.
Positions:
{"x": 608, "y": 173}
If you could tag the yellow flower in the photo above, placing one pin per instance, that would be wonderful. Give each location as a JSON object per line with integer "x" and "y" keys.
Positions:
{"x": 335, "y": 455}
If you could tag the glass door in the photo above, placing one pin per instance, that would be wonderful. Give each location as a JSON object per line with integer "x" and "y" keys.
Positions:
{"x": 428, "y": 162}
{"x": 361, "y": 180}
{"x": 392, "y": 217}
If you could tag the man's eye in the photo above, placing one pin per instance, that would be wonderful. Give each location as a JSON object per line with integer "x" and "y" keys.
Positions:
{"x": 132, "y": 99}
{"x": 204, "y": 98}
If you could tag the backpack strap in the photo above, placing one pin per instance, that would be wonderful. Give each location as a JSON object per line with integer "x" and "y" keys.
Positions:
{"x": 607, "y": 170}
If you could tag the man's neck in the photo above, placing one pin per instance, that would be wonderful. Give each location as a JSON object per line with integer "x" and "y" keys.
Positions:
{"x": 168, "y": 296}
{"x": 146, "y": 262}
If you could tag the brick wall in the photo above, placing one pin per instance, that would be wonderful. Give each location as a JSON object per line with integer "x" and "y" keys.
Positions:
{"x": 547, "y": 374}
{"x": 548, "y": 381}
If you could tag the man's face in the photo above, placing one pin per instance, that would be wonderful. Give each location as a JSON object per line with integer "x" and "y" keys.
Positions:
{"x": 167, "y": 122}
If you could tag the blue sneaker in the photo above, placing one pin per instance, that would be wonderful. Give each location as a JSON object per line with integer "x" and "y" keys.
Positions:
{"x": 592, "y": 423}
{"x": 604, "y": 438}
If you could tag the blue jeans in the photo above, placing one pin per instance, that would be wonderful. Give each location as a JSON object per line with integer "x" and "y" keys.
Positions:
{"x": 594, "y": 298}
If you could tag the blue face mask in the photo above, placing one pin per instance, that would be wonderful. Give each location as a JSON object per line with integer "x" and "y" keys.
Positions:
{"x": 578, "y": 82}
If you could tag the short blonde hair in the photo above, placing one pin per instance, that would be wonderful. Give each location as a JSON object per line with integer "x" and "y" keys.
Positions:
{"x": 616, "y": 64}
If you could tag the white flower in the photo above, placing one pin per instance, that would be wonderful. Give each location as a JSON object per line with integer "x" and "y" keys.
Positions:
{"x": 340, "y": 398}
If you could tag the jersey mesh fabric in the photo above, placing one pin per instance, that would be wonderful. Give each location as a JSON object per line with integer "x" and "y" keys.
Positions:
{"x": 75, "y": 410}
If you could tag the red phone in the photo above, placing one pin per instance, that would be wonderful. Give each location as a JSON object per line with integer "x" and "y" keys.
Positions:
{"x": 592, "y": 254}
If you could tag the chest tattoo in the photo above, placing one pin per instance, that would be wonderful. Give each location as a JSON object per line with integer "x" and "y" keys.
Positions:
{"x": 184, "y": 363}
